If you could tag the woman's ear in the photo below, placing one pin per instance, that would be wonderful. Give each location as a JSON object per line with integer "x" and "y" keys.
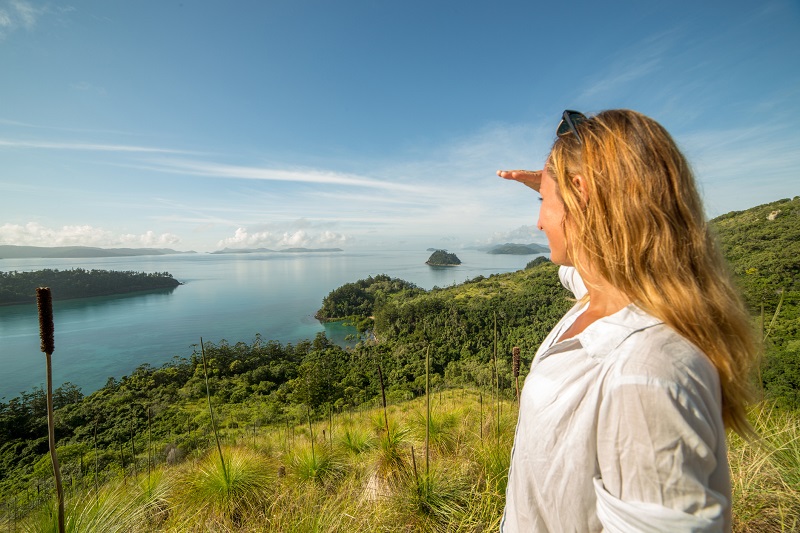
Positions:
{"x": 579, "y": 182}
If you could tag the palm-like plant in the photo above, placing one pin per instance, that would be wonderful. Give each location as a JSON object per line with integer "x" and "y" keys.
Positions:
{"x": 320, "y": 466}
{"x": 442, "y": 430}
{"x": 224, "y": 493}
{"x": 356, "y": 441}
{"x": 391, "y": 460}
{"x": 437, "y": 498}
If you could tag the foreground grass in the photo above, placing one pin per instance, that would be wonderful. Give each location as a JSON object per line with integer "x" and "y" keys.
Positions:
{"x": 355, "y": 477}
{"x": 766, "y": 476}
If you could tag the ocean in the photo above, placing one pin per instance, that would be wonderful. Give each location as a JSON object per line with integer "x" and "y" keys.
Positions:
{"x": 223, "y": 296}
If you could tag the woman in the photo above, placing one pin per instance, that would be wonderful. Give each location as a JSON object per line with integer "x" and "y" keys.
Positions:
{"x": 623, "y": 414}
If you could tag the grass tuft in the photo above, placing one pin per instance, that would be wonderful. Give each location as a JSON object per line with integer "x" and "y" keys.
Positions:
{"x": 224, "y": 494}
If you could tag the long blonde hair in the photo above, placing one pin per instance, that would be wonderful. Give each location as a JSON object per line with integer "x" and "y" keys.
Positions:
{"x": 640, "y": 223}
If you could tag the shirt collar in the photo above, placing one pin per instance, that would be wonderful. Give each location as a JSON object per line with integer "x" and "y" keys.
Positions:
{"x": 605, "y": 334}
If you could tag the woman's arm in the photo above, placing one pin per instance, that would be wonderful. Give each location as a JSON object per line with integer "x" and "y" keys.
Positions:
{"x": 661, "y": 441}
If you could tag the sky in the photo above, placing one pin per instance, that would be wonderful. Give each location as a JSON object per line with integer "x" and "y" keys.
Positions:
{"x": 363, "y": 124}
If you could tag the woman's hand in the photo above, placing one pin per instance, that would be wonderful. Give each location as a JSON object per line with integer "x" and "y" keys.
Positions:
{"x": 531, "y": 178}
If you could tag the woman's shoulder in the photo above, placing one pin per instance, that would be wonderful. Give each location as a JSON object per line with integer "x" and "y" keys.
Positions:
{"x": 659, "y": 356}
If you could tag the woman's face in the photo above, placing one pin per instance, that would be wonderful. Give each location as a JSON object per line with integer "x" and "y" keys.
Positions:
{"x": 551, "y": 220}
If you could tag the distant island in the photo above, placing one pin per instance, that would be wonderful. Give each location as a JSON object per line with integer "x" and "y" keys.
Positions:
{"x": 443, "y": 258}
{"x": 267, "y": 250}
{"x": 8, "y": 251}
{"x": 518, "y": 249}
{"x": 243, "y": 251}
{"x": 20, "y": 287}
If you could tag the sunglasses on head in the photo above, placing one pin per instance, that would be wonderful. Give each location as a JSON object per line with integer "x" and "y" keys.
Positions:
{"x": 569, "y": 121}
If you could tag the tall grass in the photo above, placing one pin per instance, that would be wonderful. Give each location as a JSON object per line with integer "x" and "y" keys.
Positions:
{"x": 321, "y": 465}
{"x": 365, "y": 480}
{"x": 356, "y": 440}
{"x": 434, "y": 499}
{"x": 442, "y": 430}
{"x": 765, "y": 475}
{"x": 209, "y": 491}
{"x": 117, "y": 507}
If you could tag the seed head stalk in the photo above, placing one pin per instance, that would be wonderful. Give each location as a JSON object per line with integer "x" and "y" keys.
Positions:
{"x": 44, "y": 302}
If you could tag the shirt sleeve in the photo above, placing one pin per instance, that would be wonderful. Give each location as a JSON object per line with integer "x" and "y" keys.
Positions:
{"x": 657, "y": 451}
{"x": 572, "y": 281}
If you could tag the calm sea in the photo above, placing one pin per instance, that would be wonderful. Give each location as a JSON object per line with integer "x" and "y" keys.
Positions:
{"x": 229, "y": 297}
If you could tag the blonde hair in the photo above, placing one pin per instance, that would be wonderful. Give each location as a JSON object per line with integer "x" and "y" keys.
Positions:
{"x": 639, "y": 222}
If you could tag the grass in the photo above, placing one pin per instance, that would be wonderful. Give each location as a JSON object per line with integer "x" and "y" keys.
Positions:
{"x": 222, "y": 493}
{"x": 365, "y": 481}
{"x": 765, "y": 475}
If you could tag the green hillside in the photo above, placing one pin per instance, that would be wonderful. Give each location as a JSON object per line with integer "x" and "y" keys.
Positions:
{"x": 762, "y": 245}
{"x": 308, "y": 445}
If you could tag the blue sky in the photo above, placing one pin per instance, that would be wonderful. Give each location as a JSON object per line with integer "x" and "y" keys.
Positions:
{"x": 199, "y": 125}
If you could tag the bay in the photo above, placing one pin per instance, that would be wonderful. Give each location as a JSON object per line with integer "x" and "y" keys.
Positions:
{"x": 223, "y": 296}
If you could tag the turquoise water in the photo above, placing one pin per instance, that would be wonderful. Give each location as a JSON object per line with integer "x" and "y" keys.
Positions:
{"x": 231, "y": 297}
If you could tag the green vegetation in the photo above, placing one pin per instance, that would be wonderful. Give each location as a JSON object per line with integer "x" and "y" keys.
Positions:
{"x": 762, "y": 245}
{"x": 443, "y": 258}
{"x": 304, "y": 442}
{"x": 358, "y": 299}
{"x": 19, "y": 287}
{"x": 518, "y": 249}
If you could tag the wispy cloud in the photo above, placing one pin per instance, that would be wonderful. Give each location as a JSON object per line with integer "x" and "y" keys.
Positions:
{"x": 92, "y": 147}
{"x": 630, "y": 65}
{"x": 16, "y": 14}
{"x": 742, "y": 167}
{"x": 217, "y": 170}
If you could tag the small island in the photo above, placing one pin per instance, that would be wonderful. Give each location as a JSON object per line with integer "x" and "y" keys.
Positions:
{"x": 20, "y": 287}
{"x": 443, "y": 258}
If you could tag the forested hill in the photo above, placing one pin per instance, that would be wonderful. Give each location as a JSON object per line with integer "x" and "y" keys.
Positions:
{"x": 762, "y": 245}
{"x": 8, "y": 251}
{"x": 20, "y": 287}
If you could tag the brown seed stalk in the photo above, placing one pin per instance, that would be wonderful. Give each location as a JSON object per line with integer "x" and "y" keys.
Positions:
{"x": 44, "y": 301}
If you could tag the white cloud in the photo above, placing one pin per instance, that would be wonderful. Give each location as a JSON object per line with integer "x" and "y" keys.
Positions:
{"x": 60, "y": 145}
{"x": 301, "y": 175}
{"x": 26, "y": 12}
{"x": 521, "y": 235}
{"x": 17, "y": 13}
{"x": 738, "y": 168}
{"x": 35, "y": 234}
{"x": 289, "y": 238}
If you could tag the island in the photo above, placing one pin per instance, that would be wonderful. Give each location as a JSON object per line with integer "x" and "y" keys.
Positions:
{"x": 9, "y": 251}
{"x": 267, "y": 250}
{"x": 20, "y": 287}
{"x": 518, "y": 249}
{"x": 243, "y": 251}
{"x": 443, "y": 258}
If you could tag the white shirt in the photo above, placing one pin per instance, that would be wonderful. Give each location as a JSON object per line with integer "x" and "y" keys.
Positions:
{"x": 620, "y": 429}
